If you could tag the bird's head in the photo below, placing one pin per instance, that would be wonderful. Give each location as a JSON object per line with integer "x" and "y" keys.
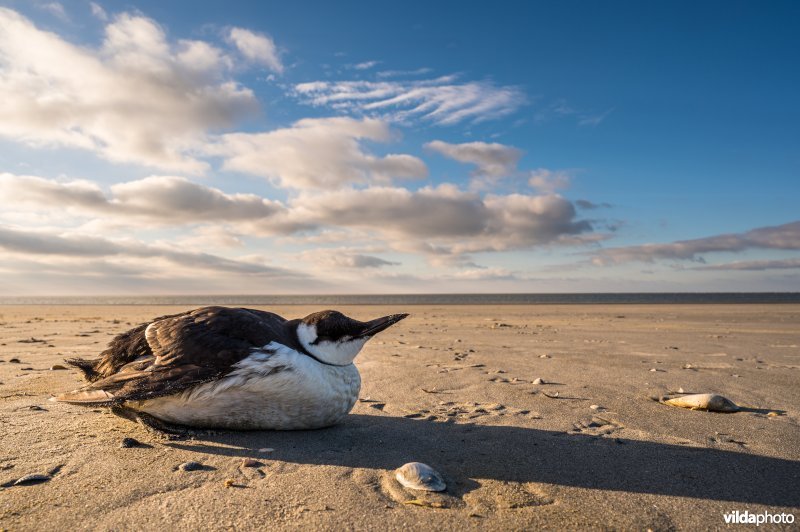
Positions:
{"x": 336, "y": 339}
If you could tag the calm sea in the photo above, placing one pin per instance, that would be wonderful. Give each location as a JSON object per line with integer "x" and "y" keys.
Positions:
{"x": 419, "y": 299}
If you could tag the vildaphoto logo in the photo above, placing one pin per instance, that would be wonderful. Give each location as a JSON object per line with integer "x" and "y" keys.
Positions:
{"x": 746, "y": 518}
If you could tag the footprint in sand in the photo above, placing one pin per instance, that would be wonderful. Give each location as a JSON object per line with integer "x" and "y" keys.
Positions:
{"x": 495, "y": 495}
{"x": 597, "y": 426}
{"x": 449, "y": 411}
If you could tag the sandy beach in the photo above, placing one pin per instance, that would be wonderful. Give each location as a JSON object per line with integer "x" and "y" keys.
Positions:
{"x": 451, "y": 386}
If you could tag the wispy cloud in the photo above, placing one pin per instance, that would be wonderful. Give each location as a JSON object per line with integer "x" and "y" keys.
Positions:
{"x": 442, "y": 101}
{"x": 754, "y": 265}
{"x": 560, "y": 108}
{"x": 594, "y": 119}
{"x": 404, "y": 73}
{"x": 366, "y": 65}
{"x": 590, "y": 205}
{"x": 26, "y": 242}
{"x": 98, "y": 12}
{"x": 786, "y": 236}
{"x": 256, "y": 47}
{"x": 56, "y": 9}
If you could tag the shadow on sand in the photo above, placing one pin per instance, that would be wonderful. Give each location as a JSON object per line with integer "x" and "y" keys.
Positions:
{"x": 505, "y": 453}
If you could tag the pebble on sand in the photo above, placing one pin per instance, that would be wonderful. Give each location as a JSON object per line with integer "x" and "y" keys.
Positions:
{"x": 190, "y": 466}
{"x": 56, "y": 367}
{"x": 539, "y": 380}
{"x": 127, "y": 443}
{"x": 249, "y": 462}
{"x": 36, "y": 478}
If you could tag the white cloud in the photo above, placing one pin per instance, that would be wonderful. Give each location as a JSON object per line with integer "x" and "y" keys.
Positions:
{"x": 786, "y": 237}
{"x": 161, "y": 200}
{"x": 443, "y": 101}
{"x": 548, "y": 181}
{"x": 27, "y": 243}
{"x": 317, "y": 153}
{"x": 444, "y": 220}
{"x": 138, "y": 98}
{"x": 366, "y": 65}
{"x": 256, "y": 47}
{"x": 492, "y": 159}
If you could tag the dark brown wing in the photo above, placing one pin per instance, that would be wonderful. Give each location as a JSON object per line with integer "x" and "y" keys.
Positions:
{"x": 177, "y": 352}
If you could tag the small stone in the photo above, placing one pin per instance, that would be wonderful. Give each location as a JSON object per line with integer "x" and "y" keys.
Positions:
{"x": 544, "y": 356}
{"x": 56, "y": 367}
{"x": 127, "y": 443}
{"x": 773, "y": 414}
{"x": 680, "y": 390}
{"x": 14, "y": 361}
{"x": 229, "y": 483}
{"x": 539, "y": 380}
{"x": 653, "y": 369}
{"x": 266, "y": 450}
{"x": 596, "y": 407}
{"x": 190, "y": 466}
{"x": 31, "y": 479}
{"x": 249, "y": 462}
{"x": 35, "y": 407}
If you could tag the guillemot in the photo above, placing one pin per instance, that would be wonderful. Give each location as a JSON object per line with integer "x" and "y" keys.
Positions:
{"x": 230, "y": 368}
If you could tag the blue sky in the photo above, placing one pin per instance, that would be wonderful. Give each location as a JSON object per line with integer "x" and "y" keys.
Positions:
{"x": 303, "y": 147}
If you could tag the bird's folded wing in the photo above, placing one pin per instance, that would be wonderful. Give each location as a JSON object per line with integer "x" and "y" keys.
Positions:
{"x": 187, "y": 350}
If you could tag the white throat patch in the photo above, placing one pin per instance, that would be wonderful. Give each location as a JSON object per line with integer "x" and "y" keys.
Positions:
{"x": 339, "y": 353}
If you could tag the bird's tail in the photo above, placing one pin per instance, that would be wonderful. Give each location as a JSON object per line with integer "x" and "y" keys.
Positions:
{"x": 87, "y": 367}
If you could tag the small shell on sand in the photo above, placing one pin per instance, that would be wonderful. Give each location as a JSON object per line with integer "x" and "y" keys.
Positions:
{"x": 419, "y": 476}
{"x": 704, "y": 401}
{"x": 539, "y": 380}
{"x": 31, "y": 479}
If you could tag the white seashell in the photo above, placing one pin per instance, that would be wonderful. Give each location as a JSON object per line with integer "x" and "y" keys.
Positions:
{"x": 419, "y": 476}
{"x": 704, "y": 401}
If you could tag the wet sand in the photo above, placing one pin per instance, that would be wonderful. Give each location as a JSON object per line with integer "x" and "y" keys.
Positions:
{"x": 451, "y": 386}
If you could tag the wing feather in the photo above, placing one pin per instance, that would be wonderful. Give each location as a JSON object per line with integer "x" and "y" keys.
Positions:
{"x": 174, "y": 353}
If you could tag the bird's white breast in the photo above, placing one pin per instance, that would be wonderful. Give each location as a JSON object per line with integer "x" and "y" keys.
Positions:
{"x": 274, "y": 388}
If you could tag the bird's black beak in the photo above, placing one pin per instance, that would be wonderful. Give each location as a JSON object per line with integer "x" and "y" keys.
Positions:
{"x": 377, "y": 325}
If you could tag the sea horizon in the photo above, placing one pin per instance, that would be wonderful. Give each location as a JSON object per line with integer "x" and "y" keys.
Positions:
{"x": 578, "y": 298}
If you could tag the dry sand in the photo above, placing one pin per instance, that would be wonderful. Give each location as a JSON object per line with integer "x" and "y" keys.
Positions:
{"x": 451, "y": 387}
